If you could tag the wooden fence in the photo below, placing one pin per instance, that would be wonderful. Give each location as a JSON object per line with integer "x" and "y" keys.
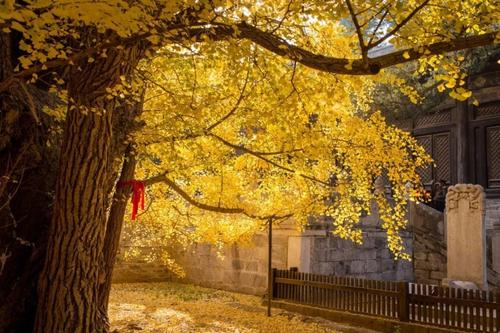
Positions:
{"x": 461, "y": 309}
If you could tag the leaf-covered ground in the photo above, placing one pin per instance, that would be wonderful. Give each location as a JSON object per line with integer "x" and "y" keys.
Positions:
{"x": 172, "y": 307}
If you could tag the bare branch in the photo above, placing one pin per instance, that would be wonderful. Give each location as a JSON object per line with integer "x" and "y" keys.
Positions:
{"x": 381, "y": 9}
{"x": 374, "y": 34}
{"x": 366, "y": 9}
{"x": 144, "y": 77}
{"x": 399, "y": 25}
{"x": 235, "y": 107}
{"x": 364, "y": 51}
{"x": 284, "y": 17}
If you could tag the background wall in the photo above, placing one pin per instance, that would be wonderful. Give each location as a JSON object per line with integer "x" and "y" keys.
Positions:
{"x": 429, "y": 244}
{"x": 371, "y": 260}
{"x": 139, "y": 270}
{"x": 244, "y": 268}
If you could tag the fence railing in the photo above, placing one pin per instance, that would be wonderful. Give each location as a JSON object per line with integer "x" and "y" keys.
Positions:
{"x": 462, "y": 309}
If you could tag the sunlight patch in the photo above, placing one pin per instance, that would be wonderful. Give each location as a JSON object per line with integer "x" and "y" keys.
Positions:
{"x": 225, "y": 327}
{"x": 123, "y": 311}
{"x": 168, "y": 313}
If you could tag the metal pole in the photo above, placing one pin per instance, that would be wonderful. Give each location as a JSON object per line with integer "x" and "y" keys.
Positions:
{"x": 269, "y": 267}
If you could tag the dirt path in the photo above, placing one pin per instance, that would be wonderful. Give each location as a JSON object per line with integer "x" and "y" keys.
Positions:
{"x": 172, "y": 307}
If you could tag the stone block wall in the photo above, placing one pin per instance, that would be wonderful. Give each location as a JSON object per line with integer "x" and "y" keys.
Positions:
{"x": 429, "y": 244}
{"x": 425, "y": 240}
{"x": 244, "y": 268}
{"x": 236, "y": 268}
{"x": 492, "y": 221}
{"x": 492, "y": 213}
{"x": 371, "y": 260}
{"x": 128, "y": 271}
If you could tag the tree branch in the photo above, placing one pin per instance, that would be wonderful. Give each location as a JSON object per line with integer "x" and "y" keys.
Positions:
{"x": 364, "y": 51}
{"x": 235, "y": 107}
{"x": 283, "y": 48}
{"x": 458, "y": 44}
{"x": 284, "y": 17}
{"x": 275, "y": 44}
{"x": 381, "y": 20}
{"x": 261, "y": 156}
{"x": 162, "y": 178}
{"x": 399, "y": 25}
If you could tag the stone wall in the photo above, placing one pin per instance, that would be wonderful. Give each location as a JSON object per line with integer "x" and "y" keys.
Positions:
{"x": 372, "y": 259}
{"x": 429, "y": 244}
{"x": 492, "y": 221}
{"x": 492, "y": 213}
{"x": 137, "y": 270}
{"x": 244, "y": 268}
{"x": 236, "y": 268}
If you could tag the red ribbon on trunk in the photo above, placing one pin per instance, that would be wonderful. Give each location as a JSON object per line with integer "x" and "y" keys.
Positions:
{"x": 138, "y": 189}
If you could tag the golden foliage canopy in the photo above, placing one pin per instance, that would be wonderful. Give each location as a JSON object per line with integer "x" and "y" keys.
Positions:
{"x": 260, "y": 109}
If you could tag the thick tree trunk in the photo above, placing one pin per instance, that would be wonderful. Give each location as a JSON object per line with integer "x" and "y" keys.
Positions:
{"x": 71, "y": 278}
{"x": 114, "y": 226}
{"x": 125, "y": 123}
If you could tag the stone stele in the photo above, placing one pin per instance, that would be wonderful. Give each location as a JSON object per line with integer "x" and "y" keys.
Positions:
{"x": 465, "y": 235}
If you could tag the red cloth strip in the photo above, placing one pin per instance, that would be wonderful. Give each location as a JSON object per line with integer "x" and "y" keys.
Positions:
{"x": 138, "y": 189}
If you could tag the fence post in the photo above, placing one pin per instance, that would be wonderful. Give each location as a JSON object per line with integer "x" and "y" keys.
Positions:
{"x": 270, "y": 278}
{"x": 273, "y": 283}
{"x": 403, "y": 301}
{"x": 498, "y": 312}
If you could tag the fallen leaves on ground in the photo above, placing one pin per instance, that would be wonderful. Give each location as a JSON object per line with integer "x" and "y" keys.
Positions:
{"x": 173, "y": 307}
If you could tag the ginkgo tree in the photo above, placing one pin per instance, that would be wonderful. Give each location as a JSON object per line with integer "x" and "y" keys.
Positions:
{"x": 276, "y": 133}
{"x": 224, "y": 136}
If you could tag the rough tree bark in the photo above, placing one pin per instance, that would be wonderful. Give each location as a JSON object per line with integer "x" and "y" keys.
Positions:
{"x": 70, "y": 280}
{"x": 125, "y": 123}
{"x": 114, "y": 225}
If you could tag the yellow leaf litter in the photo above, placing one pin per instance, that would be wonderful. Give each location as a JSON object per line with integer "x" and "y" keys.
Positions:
{"x": 173, "y": 307}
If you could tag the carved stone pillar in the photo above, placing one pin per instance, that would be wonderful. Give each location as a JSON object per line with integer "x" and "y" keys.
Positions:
{"x": 465, "y": 234}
